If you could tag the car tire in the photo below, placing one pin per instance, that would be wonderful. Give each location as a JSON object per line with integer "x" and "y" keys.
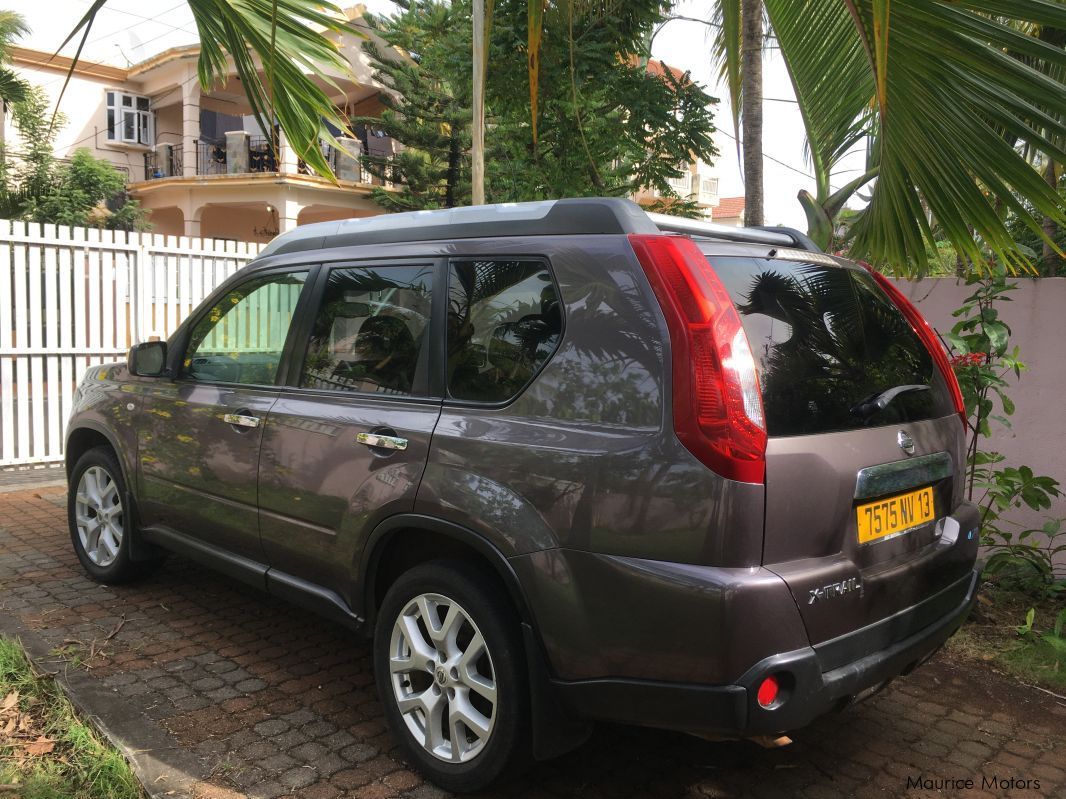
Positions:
{"x": 99, "y": 521}
{"x": 466, "y": 680}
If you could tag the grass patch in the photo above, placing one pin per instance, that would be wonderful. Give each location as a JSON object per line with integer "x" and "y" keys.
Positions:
{"x": 991, "y": 635}
{"x": 44, "y": 749}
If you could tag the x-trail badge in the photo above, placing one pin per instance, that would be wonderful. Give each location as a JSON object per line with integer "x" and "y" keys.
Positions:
{"x": 906, "y": 443}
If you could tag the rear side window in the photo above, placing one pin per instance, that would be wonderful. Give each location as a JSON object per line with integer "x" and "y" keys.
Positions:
{"x": 369, "y": 330}
{"x": 826, "y": 339}
{"x": 504, "y": 322}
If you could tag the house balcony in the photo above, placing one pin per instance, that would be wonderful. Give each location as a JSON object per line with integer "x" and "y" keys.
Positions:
{"x": 254, "y": 155}
{"x": 249, "y": 188}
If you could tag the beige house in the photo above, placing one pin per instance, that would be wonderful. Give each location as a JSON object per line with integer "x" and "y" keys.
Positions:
{"x": 197, "y": 161}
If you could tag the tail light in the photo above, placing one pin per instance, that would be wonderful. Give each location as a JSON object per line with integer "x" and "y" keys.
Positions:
{"x": 717, "y": 404}
{"x": 929, "y": 339}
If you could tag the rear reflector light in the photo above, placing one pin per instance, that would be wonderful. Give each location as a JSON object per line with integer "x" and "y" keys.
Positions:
{"x": 929, "y": 339}
{"x": 717, "y": 403}
{"x": 768, "y": 690}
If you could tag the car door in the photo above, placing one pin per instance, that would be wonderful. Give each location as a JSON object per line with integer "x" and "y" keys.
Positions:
{"x": 200, "y": 433}
{"x": 346, "y": 443}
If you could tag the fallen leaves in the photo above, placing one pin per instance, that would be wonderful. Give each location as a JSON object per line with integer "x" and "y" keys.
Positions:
{"x": 39, "y": 747}
{"x": 18, "y": 732}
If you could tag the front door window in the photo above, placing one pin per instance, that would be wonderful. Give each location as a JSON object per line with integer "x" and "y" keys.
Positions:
{"x": 241, "y": 338}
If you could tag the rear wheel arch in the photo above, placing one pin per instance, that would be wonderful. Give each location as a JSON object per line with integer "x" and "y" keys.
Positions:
{"x": 402, "y": 542}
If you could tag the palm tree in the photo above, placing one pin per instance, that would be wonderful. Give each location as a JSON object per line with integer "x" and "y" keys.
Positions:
{"x": 934, "y": 86}
{"x": 12, "y": 88}
{"x": 751, "y": 35}
{"x": 287, "y": 40}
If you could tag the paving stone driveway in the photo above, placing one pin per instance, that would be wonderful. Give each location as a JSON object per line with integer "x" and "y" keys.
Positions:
{"x": 236, "y": 693}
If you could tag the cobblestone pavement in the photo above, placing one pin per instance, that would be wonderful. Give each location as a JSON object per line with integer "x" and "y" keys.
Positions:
{"x": 264, "y": 700}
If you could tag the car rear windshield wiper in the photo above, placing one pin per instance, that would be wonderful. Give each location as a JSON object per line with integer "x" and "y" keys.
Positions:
{"x": 878, "y": 402}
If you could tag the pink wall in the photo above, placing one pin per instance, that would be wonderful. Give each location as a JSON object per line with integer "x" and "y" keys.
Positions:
{"x": 1037, "y": 318}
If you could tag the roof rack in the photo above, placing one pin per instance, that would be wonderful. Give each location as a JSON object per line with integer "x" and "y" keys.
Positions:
{"x": 572, "y": 216}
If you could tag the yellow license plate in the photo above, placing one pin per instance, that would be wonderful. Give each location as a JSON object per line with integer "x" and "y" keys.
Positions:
{"x": 894, "y": 515}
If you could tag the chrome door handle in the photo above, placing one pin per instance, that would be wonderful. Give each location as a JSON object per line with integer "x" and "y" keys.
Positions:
{"x": 240, "y": 420}
{"x": 384, "y": 442}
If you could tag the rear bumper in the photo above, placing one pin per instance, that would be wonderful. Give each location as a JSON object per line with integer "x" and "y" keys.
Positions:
{"x": 815, "y": 680}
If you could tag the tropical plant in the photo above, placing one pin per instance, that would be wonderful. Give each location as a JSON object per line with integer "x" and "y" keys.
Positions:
{"x": 12, "y": 87}
{"x": 983, "y": 358}
{"x": 289, "y": 41}
{"x": 949, "y": 92}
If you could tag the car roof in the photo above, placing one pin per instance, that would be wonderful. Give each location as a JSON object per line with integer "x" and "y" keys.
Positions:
{"x": 578, "y": 216}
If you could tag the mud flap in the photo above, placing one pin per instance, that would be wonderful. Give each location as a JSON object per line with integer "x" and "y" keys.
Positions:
{"x": 555, "y": 731}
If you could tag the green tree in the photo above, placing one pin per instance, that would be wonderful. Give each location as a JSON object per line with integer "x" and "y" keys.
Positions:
{"x": 88, "y": 192}
{"x": 36, "y": 187}
{"x": 27, "y": 176}
{"x": 430, "y": 108}
{"x": 950, "y": 92}
{"x": 605, "y": 124}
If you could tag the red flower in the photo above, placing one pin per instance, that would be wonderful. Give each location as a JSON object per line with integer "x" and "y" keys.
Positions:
{"x": 969, "y": 359}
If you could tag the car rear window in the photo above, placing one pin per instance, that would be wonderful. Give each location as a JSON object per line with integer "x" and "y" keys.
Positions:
{"x": 826, "y": 339}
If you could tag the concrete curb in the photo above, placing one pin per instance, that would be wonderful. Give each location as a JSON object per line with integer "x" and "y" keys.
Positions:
{"x": 137, "y": 737}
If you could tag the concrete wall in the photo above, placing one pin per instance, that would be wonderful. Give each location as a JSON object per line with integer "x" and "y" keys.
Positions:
{"x": 1036, "y": 315}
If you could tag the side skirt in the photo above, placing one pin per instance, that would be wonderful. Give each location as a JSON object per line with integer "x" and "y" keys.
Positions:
{"x": 292, "y": 589}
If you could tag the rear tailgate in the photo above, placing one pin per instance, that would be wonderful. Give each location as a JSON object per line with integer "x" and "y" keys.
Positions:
{"x": 827, "y": 341}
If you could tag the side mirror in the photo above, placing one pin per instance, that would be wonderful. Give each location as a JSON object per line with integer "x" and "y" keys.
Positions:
{"x": 148, "y": 359}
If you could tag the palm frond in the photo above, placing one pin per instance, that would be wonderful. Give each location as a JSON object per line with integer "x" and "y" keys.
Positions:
{"x": 937, "y": 85}
{"x": 726, "y": 55}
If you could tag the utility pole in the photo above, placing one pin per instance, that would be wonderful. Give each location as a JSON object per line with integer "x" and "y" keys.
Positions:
{"x": 477, "y": 144}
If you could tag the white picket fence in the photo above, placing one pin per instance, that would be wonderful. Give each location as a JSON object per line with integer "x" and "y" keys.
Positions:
{"x": 71, "y": 298}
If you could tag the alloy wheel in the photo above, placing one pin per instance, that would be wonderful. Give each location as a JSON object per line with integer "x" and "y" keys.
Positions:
{"x": 98, "y": 515}
{"x": 443, "y": 678}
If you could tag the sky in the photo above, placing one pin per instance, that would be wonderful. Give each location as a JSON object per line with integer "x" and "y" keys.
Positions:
{"x": 127, "y": 31}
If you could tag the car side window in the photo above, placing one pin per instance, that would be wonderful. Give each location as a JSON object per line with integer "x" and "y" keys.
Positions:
{"x": 241, "y": 338}
{"x": 504, "y": 322}
{"x": 369, "y": 330}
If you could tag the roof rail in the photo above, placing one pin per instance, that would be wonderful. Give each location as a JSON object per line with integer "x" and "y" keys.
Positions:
{"x": 783, "y": 236}
{"x": 567, "y": 217}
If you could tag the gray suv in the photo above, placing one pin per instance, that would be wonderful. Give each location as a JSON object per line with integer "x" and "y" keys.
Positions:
{"x": 563, "y": 461}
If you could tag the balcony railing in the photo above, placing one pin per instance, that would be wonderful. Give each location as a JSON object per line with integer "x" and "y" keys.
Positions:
{"x": 163, "y": 163}
{"x": 212, "y": 158}
{"x": 329, "y": 152}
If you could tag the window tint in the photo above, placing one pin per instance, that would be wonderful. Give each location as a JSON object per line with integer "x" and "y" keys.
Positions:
{"x": 825, "y": 339}
{"x": 241, "y": 338}
{"x": 369, "y": 330}
{"x": 504, "y": 322}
